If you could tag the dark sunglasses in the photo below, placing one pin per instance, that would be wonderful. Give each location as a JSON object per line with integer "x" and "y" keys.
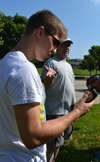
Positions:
{"x": 56, "y": 42}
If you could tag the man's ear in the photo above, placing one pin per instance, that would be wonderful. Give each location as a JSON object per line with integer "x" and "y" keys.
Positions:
{"x": 39, "y": 31}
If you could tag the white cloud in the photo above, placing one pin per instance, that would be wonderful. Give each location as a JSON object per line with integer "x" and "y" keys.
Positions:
{"x": 96, "y": 1}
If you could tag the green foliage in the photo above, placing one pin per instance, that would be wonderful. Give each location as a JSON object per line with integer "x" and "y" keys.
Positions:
{"x": 76, "y": 72}
{"x": 1, "y": 28}
{"x": 87, "y": 63}
{"x": 37, "y": 63}
{"x": 39, "y": 70}
{"x": 85, "y": 143}
{"x": 95, "y": 53}
{"x": 91, "y": 61}
{"x": 12, "y": 32}
{"x": 67, "y": 59}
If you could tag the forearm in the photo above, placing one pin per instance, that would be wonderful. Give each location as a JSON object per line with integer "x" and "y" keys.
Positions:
{"x": 34, "y": 133}
{"x": 47, "y": 82}
{"x": 51, "y": 129}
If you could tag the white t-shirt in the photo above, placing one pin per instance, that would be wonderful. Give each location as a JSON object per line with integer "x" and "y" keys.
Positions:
{"x": 20, "y": 83}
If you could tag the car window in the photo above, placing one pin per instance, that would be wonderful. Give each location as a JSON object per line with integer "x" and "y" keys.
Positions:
{"x": 96, "y": 77}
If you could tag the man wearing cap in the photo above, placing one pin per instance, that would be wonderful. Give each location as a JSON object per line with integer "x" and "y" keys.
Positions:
{"x": 60, "y": 94}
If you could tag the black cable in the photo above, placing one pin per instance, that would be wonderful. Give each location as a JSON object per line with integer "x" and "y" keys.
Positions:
{"x": 53, "y": 150}
{"x": 69, "y": 134}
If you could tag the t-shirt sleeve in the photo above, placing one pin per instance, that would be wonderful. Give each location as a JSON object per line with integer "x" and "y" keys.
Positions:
{"x": 24, "y": 86}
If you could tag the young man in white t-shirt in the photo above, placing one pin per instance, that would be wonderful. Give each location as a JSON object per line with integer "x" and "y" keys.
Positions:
{"x": 22, "y": 134}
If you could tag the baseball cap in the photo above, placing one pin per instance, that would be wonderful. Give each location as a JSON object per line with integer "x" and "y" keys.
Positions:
{"x": 65, "y": 40}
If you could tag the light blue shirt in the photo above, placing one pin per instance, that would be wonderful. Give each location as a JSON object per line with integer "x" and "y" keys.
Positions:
{"x": 61, "y": 94}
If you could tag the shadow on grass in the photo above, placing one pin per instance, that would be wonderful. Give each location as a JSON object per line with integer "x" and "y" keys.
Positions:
{"x": 80, "y": 78}
{"x": 70, "y": 154}
{"x": 81, "y": 90}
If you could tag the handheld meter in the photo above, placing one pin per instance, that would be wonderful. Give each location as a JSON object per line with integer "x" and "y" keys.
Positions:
{"x": 92, "y": 95}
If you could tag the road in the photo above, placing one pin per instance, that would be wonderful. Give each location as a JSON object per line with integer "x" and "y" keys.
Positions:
{"x": 80, "y": 88}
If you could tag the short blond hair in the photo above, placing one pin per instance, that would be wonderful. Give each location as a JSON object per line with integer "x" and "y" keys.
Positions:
{"x": 50, "y": 22}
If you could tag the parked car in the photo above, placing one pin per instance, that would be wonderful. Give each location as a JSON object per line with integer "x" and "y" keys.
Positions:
{"x": 90, "y": 82}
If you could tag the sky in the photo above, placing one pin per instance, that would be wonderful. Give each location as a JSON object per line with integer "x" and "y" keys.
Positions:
{"x": 81, "y": 17}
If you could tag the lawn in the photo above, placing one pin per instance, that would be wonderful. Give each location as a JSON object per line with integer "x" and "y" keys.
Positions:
{"x": 85, "y": 143}
{"x": 76, "y": 72}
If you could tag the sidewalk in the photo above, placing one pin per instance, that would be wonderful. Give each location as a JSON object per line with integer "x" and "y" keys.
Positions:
{"x": 80, "y": 89}
{"x": 80, "y": 94}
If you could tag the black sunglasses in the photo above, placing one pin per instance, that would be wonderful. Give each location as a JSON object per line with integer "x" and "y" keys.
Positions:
{"x": 56, "y": 42}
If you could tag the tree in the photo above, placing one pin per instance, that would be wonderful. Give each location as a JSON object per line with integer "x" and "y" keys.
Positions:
{"x": 1, "y": 29}
{"x": 38, "y": 63}
{"x": 87, "y": 63}
{"x": 67, "y": 59}
{"x": 12, "y": 32}
{"x": 95, "y": 53}
{"x": 92, "y": 60}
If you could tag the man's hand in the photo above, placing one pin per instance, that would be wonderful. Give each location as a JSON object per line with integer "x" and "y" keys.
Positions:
{"x": 82, "y": 107}
{"x": 50, "y": 72}
{"x": 50, "y": 75}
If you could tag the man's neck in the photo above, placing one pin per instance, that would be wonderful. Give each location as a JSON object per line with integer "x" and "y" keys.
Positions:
{"x": 25, "y": 48}
{"x": 61, "y": 57}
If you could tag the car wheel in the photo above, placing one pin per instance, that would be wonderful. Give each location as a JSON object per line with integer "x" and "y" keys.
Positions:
{"x": 89, "y": 86}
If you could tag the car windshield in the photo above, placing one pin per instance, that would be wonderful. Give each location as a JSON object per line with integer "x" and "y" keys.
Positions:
{"x": 96, "y": 77}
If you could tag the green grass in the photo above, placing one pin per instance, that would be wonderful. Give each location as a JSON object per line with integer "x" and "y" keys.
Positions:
{"x": 76, "y": 71}
{"x": 39, "y": 70}
{"x": 84, "y": 72}
{"x": 85, "y": 143}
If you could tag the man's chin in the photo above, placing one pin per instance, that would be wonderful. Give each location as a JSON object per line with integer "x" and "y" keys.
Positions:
{"x": 66, "y": 54}
{"x": 41, "y": 59}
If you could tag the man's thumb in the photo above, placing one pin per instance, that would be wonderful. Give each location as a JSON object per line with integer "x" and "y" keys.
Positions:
{"x": 46, "y": 68}
{"x": 85, "y": 96}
